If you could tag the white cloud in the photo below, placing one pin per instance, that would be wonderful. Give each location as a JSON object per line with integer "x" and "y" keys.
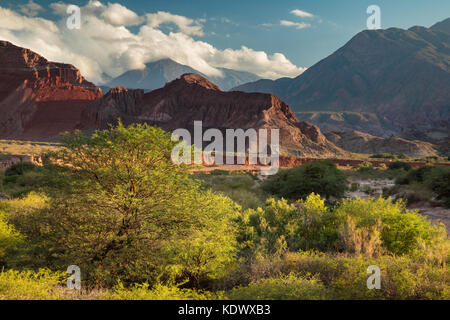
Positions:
{"x": 297, "y": 25}
{"x": 302, "y": 14}
{"x": 117, "y": 15}
{"x": 186, "y": 25}
{"x": 30, "y": 9}
{"x": 105, "y": 44}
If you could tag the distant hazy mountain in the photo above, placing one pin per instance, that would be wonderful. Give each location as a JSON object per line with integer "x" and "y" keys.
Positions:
{"x": 402, "y": 76}
{"x": 157, "y": 74}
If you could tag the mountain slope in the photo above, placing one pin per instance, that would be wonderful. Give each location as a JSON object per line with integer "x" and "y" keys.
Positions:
{"x": 192, "y": 97}
{"x": 157, "y": 74}
{"x": 443, "y": 26}
{"x": 402, "y": 76}
{"x": 39, "y": 98}
{"x": 360, "y": 142}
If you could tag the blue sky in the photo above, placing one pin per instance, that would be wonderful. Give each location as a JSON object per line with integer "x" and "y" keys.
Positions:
{"x": 256, "y": 24}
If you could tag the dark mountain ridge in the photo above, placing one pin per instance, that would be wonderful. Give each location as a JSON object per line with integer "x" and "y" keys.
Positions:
{"x": 401, "y": 76}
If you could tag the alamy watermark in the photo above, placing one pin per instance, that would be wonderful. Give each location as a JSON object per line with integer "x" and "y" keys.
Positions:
{"x": 74, "y": 281}
{"x": 374, "y": 20}
{"x": 374, "y": 281}
{"x": 241, "y": 147}
{"x": 74, "y": 19}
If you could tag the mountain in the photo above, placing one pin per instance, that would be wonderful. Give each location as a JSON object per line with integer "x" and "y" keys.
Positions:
{"x": 401, "y": 76}
{"x": 39, "y": 98}
{"x": 360, "y": 142}
{"x": 156, "y": 74}
{"x": 192, "y": 97}
{"x": 443, "y": 26}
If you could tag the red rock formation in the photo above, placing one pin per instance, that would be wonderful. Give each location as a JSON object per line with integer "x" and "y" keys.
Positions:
{"x": 193, "y": 98}
{"x": 39, "y": 98}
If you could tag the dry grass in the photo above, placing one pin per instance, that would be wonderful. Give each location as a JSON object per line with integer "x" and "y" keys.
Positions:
{"x": 18, "y": 147}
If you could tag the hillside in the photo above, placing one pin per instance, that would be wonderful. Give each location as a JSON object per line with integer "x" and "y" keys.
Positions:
{"x": 401, "y": 76}
{"x": 360, "y": 142}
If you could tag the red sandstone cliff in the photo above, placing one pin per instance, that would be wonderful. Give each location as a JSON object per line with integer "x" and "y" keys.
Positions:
{"x": 192, "y": 98}
{"x": 39, "y": 98}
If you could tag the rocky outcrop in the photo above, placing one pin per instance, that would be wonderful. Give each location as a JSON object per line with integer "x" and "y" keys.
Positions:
{"x": 39, "y": 98}
{"x": 192, "y": 98}
{"x": 119, "y": 102}
{"x": 360, "y": 142}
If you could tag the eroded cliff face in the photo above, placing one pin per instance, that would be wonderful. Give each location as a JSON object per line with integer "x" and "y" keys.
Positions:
{"x": 39, "y": 98}
{"x": 194, "y": 98}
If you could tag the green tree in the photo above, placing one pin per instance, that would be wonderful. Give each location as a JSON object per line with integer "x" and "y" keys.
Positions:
{"x": 121, "y": 206}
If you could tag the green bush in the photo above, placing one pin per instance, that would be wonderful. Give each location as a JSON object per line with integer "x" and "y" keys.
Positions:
{"x": 29, "y": 285}
{"x": 288, "y": 287}
{"x": 402, "y": 231}
{"x": 356, "y": 226}
{"x": 321, "y": 177}
{"x": 218, "y": 172}
{"x": 20, "y": 168}
{"x": 401, "y": 277}
{"x": 384, "y": 156}
{"x": 158, "y": 292}
{"x": 9, "y": 237}
{"x": 432, "y": 178}
{"x": 399, "y": 165}
{"x": 438, "y": 180}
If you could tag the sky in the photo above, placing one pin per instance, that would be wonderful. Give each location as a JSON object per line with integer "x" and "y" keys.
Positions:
{"x": 272, "y": 39}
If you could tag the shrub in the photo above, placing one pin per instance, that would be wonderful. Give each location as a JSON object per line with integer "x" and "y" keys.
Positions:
{"x": 20, "y": 168}
{"x": 438, "y": 180}
{"x": 29, "y": 285}
{"x": 403, "y": 231}
{"x": 288, "y": 287}
{"x": 321, "y": 177}
{"x": 157, "y": 292}
{"x": 401, "y": 277}
{"x": 280, "y": 226}
{"x": 218, "y": 172}
{"x": 383, "y": 156}
{"x": 9, "y": 237}
{"x": 354, "y": 187}
{"x": 399, "y": 165}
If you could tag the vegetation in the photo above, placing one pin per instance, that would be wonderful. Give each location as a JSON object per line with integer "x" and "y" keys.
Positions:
{"x": 18, "y": 147}
{"x": 321, "y": 177}
{"x": 435, "y": 179}
{"x": 389, "y": 156}
{"x": 142, "y": 228}
{"x": 399, "y": 165}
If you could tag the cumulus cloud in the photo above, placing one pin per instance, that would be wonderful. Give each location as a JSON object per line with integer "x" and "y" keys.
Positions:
{"x": 185, "y": 25}
{"x": 30, "y": 9}
{"x": 302, "y": 14}
{"x": 105, "y": 44}
{"x": 297, "y": 25}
